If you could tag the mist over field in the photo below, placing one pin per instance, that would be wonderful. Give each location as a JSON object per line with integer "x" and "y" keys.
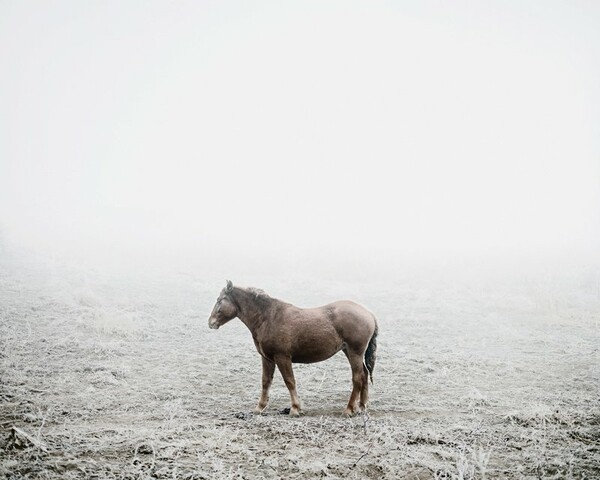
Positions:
{"x": 437, "y": 163}
{"x": 295, "y": 131}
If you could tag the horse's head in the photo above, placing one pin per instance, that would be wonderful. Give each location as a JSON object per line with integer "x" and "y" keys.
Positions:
{"x": 225, "y": 308}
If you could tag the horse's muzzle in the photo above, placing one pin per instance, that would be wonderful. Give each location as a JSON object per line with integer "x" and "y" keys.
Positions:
{"x": 213, "y": 324}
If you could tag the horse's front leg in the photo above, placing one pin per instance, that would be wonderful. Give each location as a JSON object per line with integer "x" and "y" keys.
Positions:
{"x": 285, "y": 367}
{"x": 268, "y": 369}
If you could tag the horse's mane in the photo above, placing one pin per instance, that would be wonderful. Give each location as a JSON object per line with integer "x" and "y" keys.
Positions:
{"x": 261, "y": 297}
{"x": 259, "y": 293}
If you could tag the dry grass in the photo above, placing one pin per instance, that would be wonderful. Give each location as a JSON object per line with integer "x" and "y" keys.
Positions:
{"x": 119, "y": 377}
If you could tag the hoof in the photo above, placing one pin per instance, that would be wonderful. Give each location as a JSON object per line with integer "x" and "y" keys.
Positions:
{"x": 259, "y": 411}
{"x": 351, "y": 412}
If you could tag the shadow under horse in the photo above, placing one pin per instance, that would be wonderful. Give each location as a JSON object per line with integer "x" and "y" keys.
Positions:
{"x": 285, "y": 334}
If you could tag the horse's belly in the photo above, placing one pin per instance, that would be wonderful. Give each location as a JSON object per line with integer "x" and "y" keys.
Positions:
{"x": 311, "y": 350}
{"x": 308, "y": 358}
{"x": 301, "y": 358}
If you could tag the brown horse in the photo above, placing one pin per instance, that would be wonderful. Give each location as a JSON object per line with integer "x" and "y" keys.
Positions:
{"x": 285, "y": 334}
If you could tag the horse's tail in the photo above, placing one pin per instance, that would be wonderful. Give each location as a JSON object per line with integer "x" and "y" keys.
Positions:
{"x": 371, "y": 353}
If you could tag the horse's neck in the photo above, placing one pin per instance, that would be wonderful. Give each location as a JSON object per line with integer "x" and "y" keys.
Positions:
{"x": 249, "y": 311}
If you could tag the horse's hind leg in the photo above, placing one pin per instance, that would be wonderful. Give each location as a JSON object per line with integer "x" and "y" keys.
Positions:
{"x": 359, "y": 380}
{"x": 364, "y": 392}
{"x": 268, "y": 369}
{"x": 285, "y": 367}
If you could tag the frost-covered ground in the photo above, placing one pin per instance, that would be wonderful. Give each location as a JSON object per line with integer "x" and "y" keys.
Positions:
{"x": 108, "y": 375}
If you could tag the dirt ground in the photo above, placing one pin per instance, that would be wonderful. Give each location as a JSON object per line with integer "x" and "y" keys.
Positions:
{"x": 118, "y": 376}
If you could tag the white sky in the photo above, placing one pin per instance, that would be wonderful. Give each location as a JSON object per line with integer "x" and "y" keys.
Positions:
{"x": 350, "y": 126}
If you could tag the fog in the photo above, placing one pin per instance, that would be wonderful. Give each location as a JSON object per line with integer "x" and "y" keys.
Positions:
{"x": 437, "y": 163}
{"x": 243, "y": 135}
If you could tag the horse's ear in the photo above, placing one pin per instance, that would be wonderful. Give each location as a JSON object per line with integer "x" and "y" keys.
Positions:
{"x": 229, "y": 287}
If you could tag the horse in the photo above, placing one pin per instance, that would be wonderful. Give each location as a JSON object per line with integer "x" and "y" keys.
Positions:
{"x": 285, "y": 334}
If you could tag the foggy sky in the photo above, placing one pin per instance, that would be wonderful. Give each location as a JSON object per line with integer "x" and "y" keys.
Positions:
{"x": 341, "y": 127}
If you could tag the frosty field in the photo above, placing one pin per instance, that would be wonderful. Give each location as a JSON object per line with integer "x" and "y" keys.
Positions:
{"x": 106, "y": 375}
